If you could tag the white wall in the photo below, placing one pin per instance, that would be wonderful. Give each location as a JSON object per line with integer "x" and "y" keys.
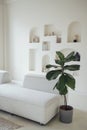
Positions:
{"x": 25, "y": 14}
{"x": 1, "y": 35}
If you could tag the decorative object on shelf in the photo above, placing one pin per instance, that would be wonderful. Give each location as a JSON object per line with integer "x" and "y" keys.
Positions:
{"x": 36, "y": 39}
{"x": 65, "y": 80}
{"x": 45, "y": 46}
{"x": 76, "y": 38}
{"x": 50, "y": 30}
{"x": 33, "y": 39}
{"x": 53, "y": 33}
{"x": 59, "y": 39}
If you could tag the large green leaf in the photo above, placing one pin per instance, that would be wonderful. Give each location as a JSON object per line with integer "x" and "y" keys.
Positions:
{"x": 64, "y": 91}
{"x": 61, "y": 85}
{"x": 70, "y": 81}
{"x": 72, "y": 67}
{"x": 70, "y": 57}
{"x": 76, "y": 57}
{"x": 60, "y": 62}
{"x": 65, "y": 80}
{"x": 60, "y": 55}
{"x": 50, "y": 66}
{"x": 53, "y": 74}
{"x": 73, "y": 56}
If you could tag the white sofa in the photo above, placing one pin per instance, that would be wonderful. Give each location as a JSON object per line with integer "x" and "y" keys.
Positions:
{"x": 33, "y": 104}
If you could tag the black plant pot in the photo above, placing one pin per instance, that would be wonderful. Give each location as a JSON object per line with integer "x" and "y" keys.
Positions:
{"x": 66, "y": 113}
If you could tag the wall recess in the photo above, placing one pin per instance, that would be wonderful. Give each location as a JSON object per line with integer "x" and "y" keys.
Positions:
{"x": 43, "y": 43}
{"x": 74, "y": 32}
{"x": 34, "y": 35}
{"x": 45, "y": 61}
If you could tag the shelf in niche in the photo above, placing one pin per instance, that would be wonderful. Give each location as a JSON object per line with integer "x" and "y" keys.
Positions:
{"x": 56, "y": 39}
{"x": 68, "y": 45}
{"x": 45, "y": 52}
{"x": 34, "y": 45}
{"x": 49, "y": 38}
{"x": 73, "y": 43}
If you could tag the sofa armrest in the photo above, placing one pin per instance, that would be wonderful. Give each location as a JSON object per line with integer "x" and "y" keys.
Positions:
{"x": 4, "y": 77}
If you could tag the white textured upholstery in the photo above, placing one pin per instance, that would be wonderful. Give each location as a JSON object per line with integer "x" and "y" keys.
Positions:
{"x": 35, "y": 105}
{"x": 27, "y": 95}
{"x": 4, "y": 77}
{"x": 32, "y": 104}
{"x": 39, "y": 83}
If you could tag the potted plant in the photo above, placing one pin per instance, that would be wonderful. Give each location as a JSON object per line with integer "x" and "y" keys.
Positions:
{"x": 62, "y": 71}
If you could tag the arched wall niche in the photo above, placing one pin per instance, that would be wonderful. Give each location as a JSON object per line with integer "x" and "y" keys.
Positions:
{"x": 34, "y": 35}
{"x": 45, "y": 61}
{"x": 74, "y": 32}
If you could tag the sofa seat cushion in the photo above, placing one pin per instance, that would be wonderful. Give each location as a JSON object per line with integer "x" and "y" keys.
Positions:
{"x": 11, "y": 84}
{"x": 27, "y": 95}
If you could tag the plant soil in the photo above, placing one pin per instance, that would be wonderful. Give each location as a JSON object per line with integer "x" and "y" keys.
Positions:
{"x": 66, "y": 107}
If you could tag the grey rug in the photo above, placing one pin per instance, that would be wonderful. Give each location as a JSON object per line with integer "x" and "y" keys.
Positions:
{"x": 8, "y": 125}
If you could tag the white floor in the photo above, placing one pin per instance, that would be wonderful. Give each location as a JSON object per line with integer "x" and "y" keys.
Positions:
{"x": 79, "y": 122}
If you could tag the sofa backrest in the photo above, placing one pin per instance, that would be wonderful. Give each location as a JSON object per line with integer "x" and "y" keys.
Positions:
{"x": 4, "y": 77}
{"x": 39, "y": 83}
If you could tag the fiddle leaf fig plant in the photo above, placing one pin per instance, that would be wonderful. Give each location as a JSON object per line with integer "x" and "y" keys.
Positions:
{"x": 63, "y": 65}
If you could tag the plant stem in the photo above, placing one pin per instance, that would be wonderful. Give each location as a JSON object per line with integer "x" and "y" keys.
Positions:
{"x": 65, "y": 100}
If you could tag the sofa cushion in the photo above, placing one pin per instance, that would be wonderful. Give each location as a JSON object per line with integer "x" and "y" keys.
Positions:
{"x": 27, "y": 95}
{"x": 39, "y": 83}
